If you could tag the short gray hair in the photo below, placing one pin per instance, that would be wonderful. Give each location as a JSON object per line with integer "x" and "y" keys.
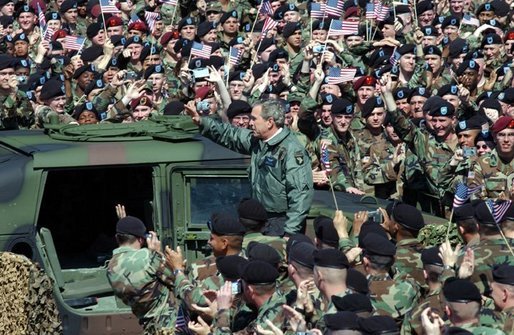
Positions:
{"x": 273, "y": 109}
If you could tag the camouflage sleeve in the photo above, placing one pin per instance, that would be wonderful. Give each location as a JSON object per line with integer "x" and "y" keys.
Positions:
{"x": 237, "y": 139}
{"x": 16, "y": 112}
{"x": 418, "y": 76}
{"x": 476, "y": 178}
{"x": 222, "y": 321}
{"x": 303, "y": 82}
{"x": 103, "y": 99}
{"x": 187, "y": 291}
{"x": 306, "y": 121}
{"x": 345, "y": 244}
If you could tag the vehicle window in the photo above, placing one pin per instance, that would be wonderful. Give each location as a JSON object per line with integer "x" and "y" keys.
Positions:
{"x": 215, "y": 194}
{"x": 78, "y": 209}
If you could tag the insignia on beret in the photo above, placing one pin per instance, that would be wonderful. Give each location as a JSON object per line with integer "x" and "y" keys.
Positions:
{"x": 329, "y": 99}
{"x": 152, "y": 50}
{"x": 26, "y": 8}
{"x": 453, "y": 89}
{"x": 189, "y": 21}
{"x": 395, "y": 69}
{"x": 62, "y": 89}
{"x": 400, "y": 94}
{"x": 492, "y": 22}
{"x": 444, "y": 110}
{"x": 239, "y": 40}
{"x": 60, "y": 60}
{"x": 465, "y": 49}
{"x": 234, "y": 13}
{"x": 453, "y": 22}
{"x": 381, "y": 53}
{"x": 99, "y": 83}
{"x": 54, "y": 16}
{"x": 421, "y": 90}
{"x": 123, "y": 40}
{"x": 487, "y": 6}
{"x": 24, "y": 63}
{"x": 89, "y": 105}
{"x": 349, "y": 109}
{"x": 29, "y": 94}
{"x": 136, "y": 38}
{"x": 158, "y": 69}
{"x": 428, "y": 31}
{"x": 489, "y": 40}
{"x": 114, "y": 61}
{"x": 22, "y": 36}
{"x": 472, "y": 64}
{"x": 501, "y": 96}
{"x": 430, "y": 50}
{"x": 198, "y": 63}
{"x": 241, "y": 75}
{"x": 462, "y": 124}
{"x": 379, "y": 100}
{"x": 275, "y": 67}
{"x": 440, "y": 19}
{"x": 9, "y": 38}
{"x": 61, "y": 77}
{"x": 142, "y": 101}
{"x": 445, "y": 40}
{"x": 42, "y": 80}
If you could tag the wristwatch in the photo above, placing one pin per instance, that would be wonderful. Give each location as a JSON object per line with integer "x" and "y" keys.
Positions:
{"x": 176, "y": 272}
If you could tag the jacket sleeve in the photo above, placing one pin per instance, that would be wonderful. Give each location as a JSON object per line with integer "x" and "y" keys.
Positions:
{"x": 233, "y": 138}
{"x": 299, "y": 189}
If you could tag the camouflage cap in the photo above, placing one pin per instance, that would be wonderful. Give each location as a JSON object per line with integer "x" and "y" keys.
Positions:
{"x": 131, "y": 225}
{"x": 213, "y": 6}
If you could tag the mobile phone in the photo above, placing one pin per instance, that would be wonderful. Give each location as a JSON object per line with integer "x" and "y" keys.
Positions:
{"x": 469, "y": 152}
{"x": 201, "y": 73}
{"x": 236, "y": 287}
{"x": 376, "y": 216}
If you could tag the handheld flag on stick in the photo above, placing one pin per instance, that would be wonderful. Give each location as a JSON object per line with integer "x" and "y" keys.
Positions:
{"x": 201, "y": 50}
{"x": 336, "y": 28}
{"x": 234, "y": 56}
{"x": 337, "y": 75}
{"x": 370, "y": 12}
{"x": 325, "y": 160}
{"x": 335, "y": 8}
{"x": 74, "y": 42}
{"x": 318, "y": 10}
{"x": 269, "y": 24}
{"x": 498, "y": 210}
{"x": 151, "y": 18}
{"x": 463, "y": 193}
{"x": 169, "y": 2}
{"x": 108, "y": 6}
{"x": 48, "y": 34}
{"x": 381, "y": 11}
{"x": 266, "y": 8}
{"x": 350, "y": 27}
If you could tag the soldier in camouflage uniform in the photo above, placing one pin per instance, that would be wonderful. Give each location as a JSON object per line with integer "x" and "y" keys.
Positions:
{"x": 494, "y": 169}
{"x": 54, "y": 108}
{"x": 140, "y": 276}
{"x": 503, "y": 295}
{"x": 391, "y": 297}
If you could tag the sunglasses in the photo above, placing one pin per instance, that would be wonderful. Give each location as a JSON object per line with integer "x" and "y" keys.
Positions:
{"x": 482, "y": 146}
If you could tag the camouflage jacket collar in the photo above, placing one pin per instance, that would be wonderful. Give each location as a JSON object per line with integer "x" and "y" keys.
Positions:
{"x": 379, "y": 277}
{"x": 123, "y": 249}
{"x": 408, "y": 241}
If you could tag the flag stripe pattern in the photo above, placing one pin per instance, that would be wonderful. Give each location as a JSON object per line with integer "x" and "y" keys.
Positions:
{"x": 335, "y": 8}
{"x": 325, "y": 158}
{"x": 269, "y": 24}
{"x": 234, "y": 57}
{"x": 74, "y": 42}
{"x": 170, "y": 2}
{"x": 41, "y": 17}
{"x": 108, "y": 6}
{"x": 370, "y": 11}
{"x": 48, "y": 34}
{"x": 336, "y": 28}
{"x": 337, "y": 75}
{"x": 350, "y": 27}
{"x": 201, "y": 50}
{"x": 498, "y": 209}
{"x": 318, "y": 10}
{"x": 463, "y": 193}
{"x": 266, "y": 7}
{"x": 381, "y": 11}
{"x": 151, "y": 18}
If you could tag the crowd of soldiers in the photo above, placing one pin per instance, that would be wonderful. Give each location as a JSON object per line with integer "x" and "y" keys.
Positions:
{"x": 406, "y": 100}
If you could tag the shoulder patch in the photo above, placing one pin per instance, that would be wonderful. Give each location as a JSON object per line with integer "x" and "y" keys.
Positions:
{"x": 298, "y": 156}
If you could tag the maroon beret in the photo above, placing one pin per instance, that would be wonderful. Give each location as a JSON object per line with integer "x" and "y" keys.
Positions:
{"x": 502, "y": 123}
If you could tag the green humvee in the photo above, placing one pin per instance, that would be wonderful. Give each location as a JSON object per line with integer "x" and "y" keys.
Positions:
{"x": 59, "y": 187}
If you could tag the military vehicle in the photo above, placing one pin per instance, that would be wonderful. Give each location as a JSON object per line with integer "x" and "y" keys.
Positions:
{"x": 59, "y": 188}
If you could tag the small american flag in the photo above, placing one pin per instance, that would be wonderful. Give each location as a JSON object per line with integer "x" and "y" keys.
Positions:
{"x": 41, "y": 17}
{"x": 336, "y": 28}
{"x": 381, "y": 11}
{"x": 463, "y": 193}
{"x": 74, "y": 42}
{"x": 471, "y": 21}
{"x": 337, "y": 75}
{"x": 266, "y": 8}
{"x": 134, "y": 18}
{"x": 151, "y": 18}
{"x": 318, "y": 10}
{"x": 269, "y": 24}
{"x": 109, "y": 6}
{"x": 170, "y": 2}
{"x": 182, "y": 321}
{"x": 201, "y": 50}
{"x": 335, "y": 8}
{"x": 325, "y": 157}
{"x": 370, "y": 11}
{"x": 234, "y": 56}
{"x": 498, "y": 209}
{"x": 350, "y": 27}
{"x": 48, "y": 34}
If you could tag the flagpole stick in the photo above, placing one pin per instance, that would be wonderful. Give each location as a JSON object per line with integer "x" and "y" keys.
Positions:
{"x": 103, "y": 20}
{"x": 332, "y": 189}
{"x": 373, "y": 37}
{"x": 256, "y": 18}
{"x": 505, "y": 239}
{"x": 173, "y": 14}
{"x": 256, "y": 52}
{"x": 415, "y": 14}
{"x": 449, "y": 225}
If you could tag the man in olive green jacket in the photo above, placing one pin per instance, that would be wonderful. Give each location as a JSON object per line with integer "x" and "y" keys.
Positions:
{"x": 280, "y": 171}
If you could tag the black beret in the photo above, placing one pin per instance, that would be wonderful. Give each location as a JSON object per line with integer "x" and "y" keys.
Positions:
{"x": 357, "y": 282}
{"x": 467, "y": 64}
{"x": 327, "y": 99}
{"x": 501, "y": 8}
{"x": 432, "y": 50}
{"x": 24, "y": 9}
{"x": 491, "y": 39}
{"x": 474, "y": 122}
{"x": 93, "y": 29}
{"x": 174, "y": 108}
{"x": 464, "y": 212}
{"x": 430, "y": 256}
{"x": 6, "y": 61}
{"x": 67, "y": 5}
{"x": 420, "y": 91}
{"x": 134, "y": 39}
{"x": 460, "y": 290}
{"x": 370, "y": 105}
{"x": 82, "y": 69}
{"x": 223, "y": 224}
{"x": 325, "y": 231}
{"x": 263, "y": 252}
{"x": 330, "y": 258}
{"x": 248, "y": 208}
{"x": 432, "y": 102}
{"x": 408, "y": 216}
{"x": 52, "y": 88}
{"x": 320, "y": 25}
{"x": 5, "y": 2}
{"x": 236, "y": 75}
{"x": 21, "y": 37}
{"x": 296, "y": 238}
{"x": 258, "y": 273}
{"x": 375, "y": 244}
{"x": 429, "y": 31}
{"x": 341, "y": 321}
{"x": 485, "y": 7}
{"x": 198, "y": 63}
{"x": 507, "y": 96}
{"x": 259, "y": 69}
{"x": 407, "y": 49}
{"x": 380, "y": 57}
{"x": 303, "y": 254}
{"x": 504, "y": 274}
{"x": 131, "y": 225}
{"x": 278, "y": 54}
{"x": 114, "y": 63}
{"x": 227, "y": 15}
{"x": 378, "y": 325}
{"x": 355, "y": 302}
{"x": 85, "y": 107}
{"x": 424, "y": 6}
{"x": 91, "y": 53}
{"x": 229, "y": 266}
{"x": 485, "y": 136}
{"x": 5, "y": 21}
{"x": 450, "y": 21}
{"x": 442, "y": 108}
{"x": 187, "y": 21}
{"x": 153, "y": 69}
{"x": 483, "y": 214}
{"x": 236, "y": 40}
{"x": 23, "y": 63}
{"x": 148, "y": 50}
{"x": 279, "y": 13}
{"x": 457, "y": 331}
{"x": 342, "y": 106}
{"x": 290, "y": 28}
{"x": 448, "y": 89}
{"x": 401, "y": 93}
{"x": 370, "y": 227}
{"x": 458, "y": 47}
{"x": 204, "y": 28}
{"x": 258, "y": 27}
{"x": 265, "y": 43}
